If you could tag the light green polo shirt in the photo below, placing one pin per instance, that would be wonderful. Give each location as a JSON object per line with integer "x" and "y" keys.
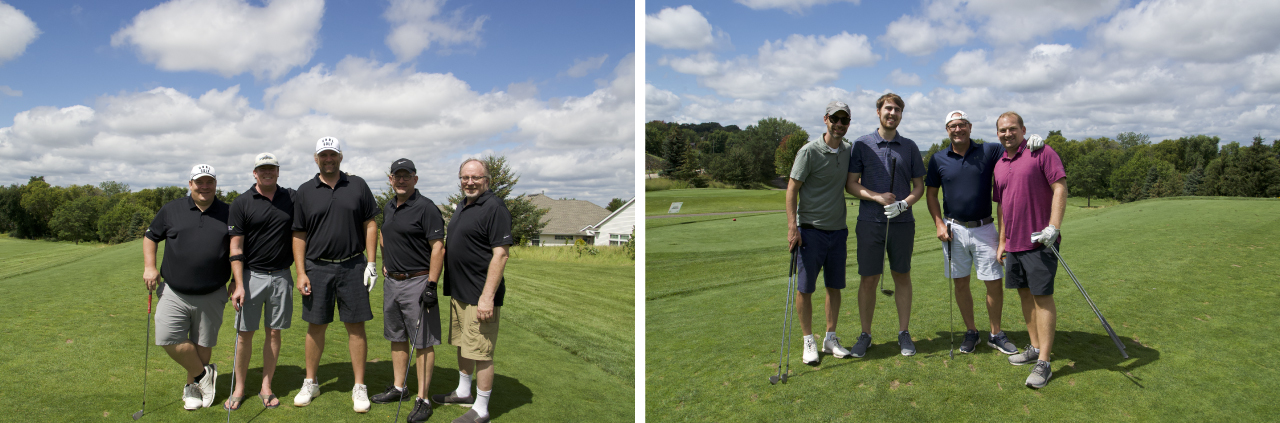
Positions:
{"x": 823, "y": 172}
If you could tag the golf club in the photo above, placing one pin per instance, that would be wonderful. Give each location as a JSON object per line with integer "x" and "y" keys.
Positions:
{"x": 234, "y": 352}
{"x": 952, "y": 301}
{"x": 893, "y": 169}
{"x": 407, "y": 365}
{"x": 789, "y": 299}
{"x": 1105, "y": 325}
{"x": 145, "y": 359}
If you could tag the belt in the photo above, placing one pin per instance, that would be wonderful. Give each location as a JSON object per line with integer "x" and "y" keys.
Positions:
{"x": 972, "y": 224}
{"x": 402, "y": 275}
{"x": 810, "y": 226}
{"x": 339, "y": 260}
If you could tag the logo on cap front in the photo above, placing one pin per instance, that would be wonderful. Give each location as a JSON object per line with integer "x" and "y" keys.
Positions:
{"x": 205, "y": 169}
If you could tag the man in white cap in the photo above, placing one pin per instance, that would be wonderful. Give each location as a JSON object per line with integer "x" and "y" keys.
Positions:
{"x": 816, "y": 228}
{"x": 965, "y": 225}
{"x": 192, "y": 282}
{"x": 261, "y": 224}
{"x": 335, "y": 245}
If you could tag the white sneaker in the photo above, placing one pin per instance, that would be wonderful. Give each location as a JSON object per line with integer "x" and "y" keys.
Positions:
{"x": 191, "y": 399}
{"x": 810, "y": 352}
{"x": 360, "y": 397}
{"x": 207, "y": 385}
{"x": 832, "y": 346}
{"x": 309, "y": 389}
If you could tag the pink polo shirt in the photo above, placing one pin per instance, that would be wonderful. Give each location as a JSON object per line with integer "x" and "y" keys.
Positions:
{"x": 1022, "y": 189}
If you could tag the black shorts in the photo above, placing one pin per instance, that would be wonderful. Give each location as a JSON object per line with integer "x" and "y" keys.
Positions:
{"x": 1034, "y": 269}
{"x": 336, "y": 283}
{"x": 871, "y": 248}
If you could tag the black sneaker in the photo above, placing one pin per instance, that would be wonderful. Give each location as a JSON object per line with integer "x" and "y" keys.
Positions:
{"x": 860, "y": 348}
{"x": 450, "y": 398}
{"x": 970, "y": 341}
{"x": 421, "y": 411}
{"x": 391, "y": 396}
{"x": 904, "y": 342}
{"x": 1001, "y": 343}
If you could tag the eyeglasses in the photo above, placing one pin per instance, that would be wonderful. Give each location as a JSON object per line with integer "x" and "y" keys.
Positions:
{"x": 471, "y": 178}
{"x": 842, "y": 121}
{"x": 402, "y": 178}
{"x": 957, "y": 125}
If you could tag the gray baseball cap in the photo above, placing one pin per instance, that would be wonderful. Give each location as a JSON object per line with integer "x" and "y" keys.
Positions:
{"x": 836, "y": 106}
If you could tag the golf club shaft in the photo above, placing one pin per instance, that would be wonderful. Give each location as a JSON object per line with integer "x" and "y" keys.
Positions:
{"x": 407, "y": 364}
{"x": 951, "y": 302}
{"x": 146, "y": 360}
{"x": 893, "y": 170}
{"x": 1105, "y": 325}
{"x": 792, "y": 281}
{"x": 235, "y": 352}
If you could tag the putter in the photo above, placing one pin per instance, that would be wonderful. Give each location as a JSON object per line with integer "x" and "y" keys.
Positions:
{"x": 951, "y": 303}
{"x": 1105, "y": 325}
{"x": 235, "y": 352}
{"x": 146, "y": 359}
{"x": 406, "y": 365}
{"x": 789, "y": 299}
{"x": 893, "y": 168}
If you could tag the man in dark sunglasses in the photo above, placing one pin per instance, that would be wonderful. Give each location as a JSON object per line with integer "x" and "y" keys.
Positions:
{"x": 816, "y": 228}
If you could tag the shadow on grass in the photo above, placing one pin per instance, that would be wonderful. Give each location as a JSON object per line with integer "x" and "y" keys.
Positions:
{"x": 1085, "y": 350}
{"x": 337, "y": 379}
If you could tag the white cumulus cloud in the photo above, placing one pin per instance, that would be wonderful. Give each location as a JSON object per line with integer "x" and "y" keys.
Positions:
{"x": 226, "y": 37}
{"x": 660, "y": 104}
{"x": 1043, "y": 67}
{"x": 680, "y": 28}
{"x": 1197, "y": 30}
{"x": 17, "y": 31}
{"x": 797, "y": 62}
{"x": 418, "y": 23}
{"x": 793, "y": 6}
{"x": 900, "y": 78}
{"x": 582, "y": 67}
{"x": 1017, "y": 21}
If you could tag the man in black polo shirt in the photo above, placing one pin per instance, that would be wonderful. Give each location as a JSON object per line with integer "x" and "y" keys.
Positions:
{"x": 475, "y": 254}
{"x": 412, "y": 258}
{"x": 261, "y": 252}
{"x": 334, "y": 247}
{"x": 191, "y": 282}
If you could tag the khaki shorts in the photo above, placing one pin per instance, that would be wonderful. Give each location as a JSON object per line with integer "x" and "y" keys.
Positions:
{"x": 474, "y": 339}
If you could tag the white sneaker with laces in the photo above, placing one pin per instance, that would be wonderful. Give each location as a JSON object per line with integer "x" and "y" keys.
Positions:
{"x": 832, "y": 346}
{"x": 191, "y": 399}
{"x": 810, "y": 355}
{"x": 360, "y": 397}
{"x": 207, "y": 384}
{"x": 309, "y": 389}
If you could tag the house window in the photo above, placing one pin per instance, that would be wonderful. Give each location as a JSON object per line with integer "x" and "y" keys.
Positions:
{"x": 563, "y": 237}
{"x": 617, "y": 243}
{"x": 534, "y": 242}
{"x": 619, "y": 237}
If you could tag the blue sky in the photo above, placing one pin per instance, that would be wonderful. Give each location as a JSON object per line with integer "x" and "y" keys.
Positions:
{"x": 1089, "y": 68}
{"x": 138, "y": 92}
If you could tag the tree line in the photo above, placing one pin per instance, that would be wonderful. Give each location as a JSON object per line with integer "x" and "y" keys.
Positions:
{"x": 1127, "y": 168}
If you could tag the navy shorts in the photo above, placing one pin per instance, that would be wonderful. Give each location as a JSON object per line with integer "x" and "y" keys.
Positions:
{"x": 871, "y": 249}
{"x": 825, "y": 251}
{"x": 1034, "y": 269}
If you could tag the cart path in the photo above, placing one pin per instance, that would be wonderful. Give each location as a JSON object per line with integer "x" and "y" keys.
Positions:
{"x": 663, "y": 216}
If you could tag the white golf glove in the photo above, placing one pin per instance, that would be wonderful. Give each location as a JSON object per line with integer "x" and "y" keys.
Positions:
{"x": 1046, "y": 236}
{"x": 1034, "y": 142}
{"x": 370, "y": 276}
{"x": 893, "y": 210}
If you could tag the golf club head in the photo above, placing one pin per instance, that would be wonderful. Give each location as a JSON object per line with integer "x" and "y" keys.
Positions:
{"x": 784, "y": 378}
{"x": 137, "y": 415}
{"x": 773, "y": 380}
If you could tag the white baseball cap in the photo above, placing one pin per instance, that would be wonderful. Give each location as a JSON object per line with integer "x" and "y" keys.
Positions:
{"x": 265, "y": 159}
{"x": 202, "y": 170}
{"x": 328, "y": 143}
{"x": 952, "y": 116}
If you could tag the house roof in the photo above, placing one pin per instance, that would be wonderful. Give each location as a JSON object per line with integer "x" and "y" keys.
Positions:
{"x": 606, "y": 219}
{"x": 568, "y": 216}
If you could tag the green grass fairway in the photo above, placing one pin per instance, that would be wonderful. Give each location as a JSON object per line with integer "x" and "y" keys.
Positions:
{"x": 1189, "y": 285}
{"x": 74, "y": 322}
{"x": 709, "y": 200}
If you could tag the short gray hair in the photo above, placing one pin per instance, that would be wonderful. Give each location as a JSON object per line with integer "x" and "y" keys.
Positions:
{"x": 482, "y": 166}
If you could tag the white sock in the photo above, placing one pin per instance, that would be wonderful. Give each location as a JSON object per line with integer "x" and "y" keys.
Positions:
{"x": 808, "y": 338}
{"x": 829, "y": 336}
{"x": 401, "y": 388}
{"x": 464, "y": 385}
{"x": 482, "y": 403}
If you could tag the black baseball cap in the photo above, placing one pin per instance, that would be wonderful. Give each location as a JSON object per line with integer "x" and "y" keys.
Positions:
{"x": 403, "y": 164}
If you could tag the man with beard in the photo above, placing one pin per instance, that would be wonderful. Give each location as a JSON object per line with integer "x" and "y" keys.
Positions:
{"x": 476, "y": 253}
{"x": 880, "y": 210}
{"x": 191, "y": 282}
{"x": 816, "y": 226}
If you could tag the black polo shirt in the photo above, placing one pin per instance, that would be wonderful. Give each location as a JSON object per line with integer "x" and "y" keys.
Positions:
{"x": 333, "y": 218}
{"x": 474, "y": 231}
{"x": 267, "y": 228}
{"x": 407, "y": 232}
{"x": 965, "y": 180}
{"x": 196, "y": 245}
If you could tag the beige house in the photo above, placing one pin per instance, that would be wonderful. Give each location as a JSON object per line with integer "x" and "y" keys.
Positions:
{"x": 567, "y": 221}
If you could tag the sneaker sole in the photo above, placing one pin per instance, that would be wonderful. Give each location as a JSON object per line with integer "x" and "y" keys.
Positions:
{"x": 1046, "y": 382}
{"x": 361, "y": 411}
{"x": 908, "y": 353}
{"x": 837, "y": 355}
{"x": 1022, "y": 363}
{"x": 994, "y": 347}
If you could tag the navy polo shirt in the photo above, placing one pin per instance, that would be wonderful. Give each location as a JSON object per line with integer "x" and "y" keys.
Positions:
{"x": 407, "y": 232}
{"x": 965, "y": 180}
{"x": 196, "y": 245}
{"x": 474, "y": 231}
{"x": 267, "y": 228}
{"x": 333, "y": 218}
{"x": 870, "y": 157}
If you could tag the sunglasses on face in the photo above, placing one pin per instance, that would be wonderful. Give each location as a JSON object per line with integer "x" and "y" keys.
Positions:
{"x": 839, "y": 120}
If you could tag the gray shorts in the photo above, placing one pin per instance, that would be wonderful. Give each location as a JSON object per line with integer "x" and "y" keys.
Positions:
{"x": 871, "y": 249}
{"x": 269, "y": 292}
{"x": 196, "y": 318}
{"x": 340, "y": 284}
{"x": 973, "y": 248}
{"x": 401, "y": 309}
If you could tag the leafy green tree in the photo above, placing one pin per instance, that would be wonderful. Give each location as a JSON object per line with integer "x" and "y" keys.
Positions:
{"x": 1191, "y": 184}
{"x": 40, "y": 200}
{"x": 785, "y": 156}
{"x": 615, "y": 204}
{"x": 673, "y": 149}
{"x": 655, "y": 132}
{"x": 124, "y": 222}
{"x": 1088, "y": 175}
{"x": 526, "y": 218}
{"x": 717, "y": 141}
{"x": 76, "y": 220}
{"x": 154, "y": 198}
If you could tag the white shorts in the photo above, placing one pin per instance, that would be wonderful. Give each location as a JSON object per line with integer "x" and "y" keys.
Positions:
{"x": 974, "y": 247}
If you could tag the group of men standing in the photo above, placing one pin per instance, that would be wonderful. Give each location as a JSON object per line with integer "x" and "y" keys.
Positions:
{"x": 886, "y": 172}
{"x": 326, "y": 230}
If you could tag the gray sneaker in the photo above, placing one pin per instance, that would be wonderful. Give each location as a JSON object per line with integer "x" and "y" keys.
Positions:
{"x": 1001, "y": 343}
{"x": 970, "y": 342}
{"x": 1028, "y": 355}
{"x": 904, "y": 341}
{"x": 860, "y": 348}
{"x": 1040, "y": 374}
